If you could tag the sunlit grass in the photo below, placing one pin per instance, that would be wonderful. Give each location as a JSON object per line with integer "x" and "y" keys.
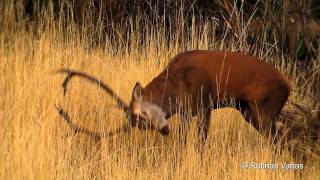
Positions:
{"x": 37, "y": 144}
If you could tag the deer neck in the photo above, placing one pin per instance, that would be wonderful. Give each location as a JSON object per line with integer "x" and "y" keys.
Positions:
{"x": 162, "y": 92}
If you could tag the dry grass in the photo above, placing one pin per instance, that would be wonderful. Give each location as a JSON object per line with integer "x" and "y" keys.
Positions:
{"x": 36, "y": 143}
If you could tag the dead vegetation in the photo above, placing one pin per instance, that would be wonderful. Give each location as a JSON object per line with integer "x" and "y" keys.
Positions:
{"x": 37, "y": 144}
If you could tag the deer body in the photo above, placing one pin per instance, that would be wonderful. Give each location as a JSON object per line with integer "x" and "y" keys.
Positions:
{"x": 209, "y": 77}
{"x": 199, "y": 80}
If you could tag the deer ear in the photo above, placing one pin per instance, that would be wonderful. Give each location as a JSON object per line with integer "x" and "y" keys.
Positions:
{"x": 137, "y": 92}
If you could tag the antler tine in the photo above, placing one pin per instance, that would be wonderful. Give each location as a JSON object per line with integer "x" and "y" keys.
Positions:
{"x": 72, "y": 73}
{"x": 65, "y": 82}
{"x": 96, "y": 135}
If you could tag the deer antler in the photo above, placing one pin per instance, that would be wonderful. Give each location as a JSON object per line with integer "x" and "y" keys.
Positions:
{"x": 78, "y": 129}
{"x": 120, "y": 103}
{"x": 71, "y": 73}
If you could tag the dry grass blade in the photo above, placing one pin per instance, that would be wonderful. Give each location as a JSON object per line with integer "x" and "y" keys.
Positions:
{"x": 33, "y": 147}
{"x": 300, "y": 130}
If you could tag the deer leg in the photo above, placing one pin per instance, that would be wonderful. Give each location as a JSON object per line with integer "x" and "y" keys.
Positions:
{"x": 203, "y": 126}
{"x": 258, "y": 117}
{"x": 272, "y": 107}
{"x": 184, "y": 125}
{"x": 263, "y": 116}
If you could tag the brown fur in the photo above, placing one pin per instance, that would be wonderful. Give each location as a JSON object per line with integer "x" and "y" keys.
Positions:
{"x": 207, "y": 77}
{"x": 199, "y": 80}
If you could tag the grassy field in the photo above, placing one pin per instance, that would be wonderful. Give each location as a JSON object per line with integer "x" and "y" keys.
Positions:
{"x": 37, "y": 144}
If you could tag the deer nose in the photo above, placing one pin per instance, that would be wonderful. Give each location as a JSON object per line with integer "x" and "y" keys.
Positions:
{"x": 164, "y": 130}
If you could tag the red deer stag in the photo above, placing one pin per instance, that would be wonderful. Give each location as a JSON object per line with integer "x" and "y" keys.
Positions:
{"x": 203, "y": 79}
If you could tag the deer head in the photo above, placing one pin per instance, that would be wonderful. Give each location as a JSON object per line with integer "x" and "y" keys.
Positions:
{"x": 147, "y": 114}
{"x": 140, "y": 112}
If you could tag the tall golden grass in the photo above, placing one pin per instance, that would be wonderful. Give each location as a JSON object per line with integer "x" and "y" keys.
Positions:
{"x": 37, "y": 144}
